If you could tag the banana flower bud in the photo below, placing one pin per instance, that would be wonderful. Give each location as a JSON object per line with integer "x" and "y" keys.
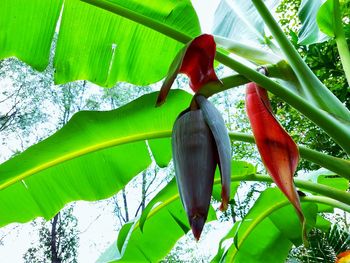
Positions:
{"x": 200, "y": 142}
{"x": 278, "y": 151}
{"x": 200, "y": 139}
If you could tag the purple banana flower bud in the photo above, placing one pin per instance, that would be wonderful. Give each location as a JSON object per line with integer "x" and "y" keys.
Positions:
{"x": 200, "y": 142}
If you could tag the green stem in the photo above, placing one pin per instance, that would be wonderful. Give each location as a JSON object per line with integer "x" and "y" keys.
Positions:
{"x": 336, "y": 129}
{"x": 321, "y": 189}
{"x": 326, "y": 201}
{"x": 314, "y": 88}
{"x": 279, "y": 70}
{"x": 341, "y": 41}
{"x": 337, "y": 165}
{"x": 344, "y": 55}
{"x": 227, "y": 83}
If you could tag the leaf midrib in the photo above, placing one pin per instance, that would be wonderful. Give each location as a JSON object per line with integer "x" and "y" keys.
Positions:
{"x": 84, "y": 151}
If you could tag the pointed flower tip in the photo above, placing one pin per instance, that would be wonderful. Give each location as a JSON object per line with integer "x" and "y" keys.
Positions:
{"x": 224, "y": 199}
{"x": 197, "y": 223}
{"x": 195, "y": 162}
{"x": 223, "y": 207}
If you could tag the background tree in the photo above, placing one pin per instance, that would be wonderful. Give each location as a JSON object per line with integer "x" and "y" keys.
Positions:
{"x": 37, "y": 109}
{"x": 58, "y": 240}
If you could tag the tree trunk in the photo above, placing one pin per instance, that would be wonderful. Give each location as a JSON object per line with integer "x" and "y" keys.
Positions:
{"x": 143, "y": 191}
{"x": 125, "y": 206}
{"x": 54, "y": 248}
{"x": 233, "y": 214}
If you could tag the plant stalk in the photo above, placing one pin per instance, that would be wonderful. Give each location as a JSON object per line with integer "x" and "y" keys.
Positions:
{"x": 313, "y": 87}
{"x": 278, "y": 70}
{"x": 336, "y": 129}
{"x": 337, "y": 165}
{"x": 321, "y": 189}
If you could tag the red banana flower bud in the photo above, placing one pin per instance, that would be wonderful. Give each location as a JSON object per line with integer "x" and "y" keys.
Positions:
{"x": 200, "y": 142}
{"x": 196, "y": 61}
{"x": 278, "y": 151}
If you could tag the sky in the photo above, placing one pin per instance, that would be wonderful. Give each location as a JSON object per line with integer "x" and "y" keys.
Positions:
{"x": 96, "y": 221}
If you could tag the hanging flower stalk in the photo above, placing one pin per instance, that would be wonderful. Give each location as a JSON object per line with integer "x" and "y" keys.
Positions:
{"x": 200, "y": 140}
{"x": 278, "y": 151}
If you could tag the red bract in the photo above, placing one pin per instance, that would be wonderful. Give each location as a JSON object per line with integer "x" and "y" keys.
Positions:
{"x": 198, "y": 61}
{"x": 278, "y": 151}
{"x": 195, "y": 60}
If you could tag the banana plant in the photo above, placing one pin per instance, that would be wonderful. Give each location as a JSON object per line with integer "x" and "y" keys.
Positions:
{"x": 106, "y": 41}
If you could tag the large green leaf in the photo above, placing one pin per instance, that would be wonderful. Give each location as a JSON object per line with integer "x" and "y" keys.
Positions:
{"x": 310, "y": 33}
{"x": 266, "y": 239}
{"x": 326, "y": 18}
{"x": 238, "y": 20}
{"x": 94, "y": 44}
{"x": 27, "y": 28}
{"x": 90, "y": 158}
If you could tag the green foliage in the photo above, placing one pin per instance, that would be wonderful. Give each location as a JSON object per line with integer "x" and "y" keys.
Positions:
{"x": 37, "y": 107}
{"x": 323, "y": 59}
{"x": 98, "y": 51}
{"x": 324, "y": 246}
{"x": 20, "y": 33}
{"x": 309, "y": 33}
{"x": 288, "y": 20}
{"x": 240, "y": 21}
